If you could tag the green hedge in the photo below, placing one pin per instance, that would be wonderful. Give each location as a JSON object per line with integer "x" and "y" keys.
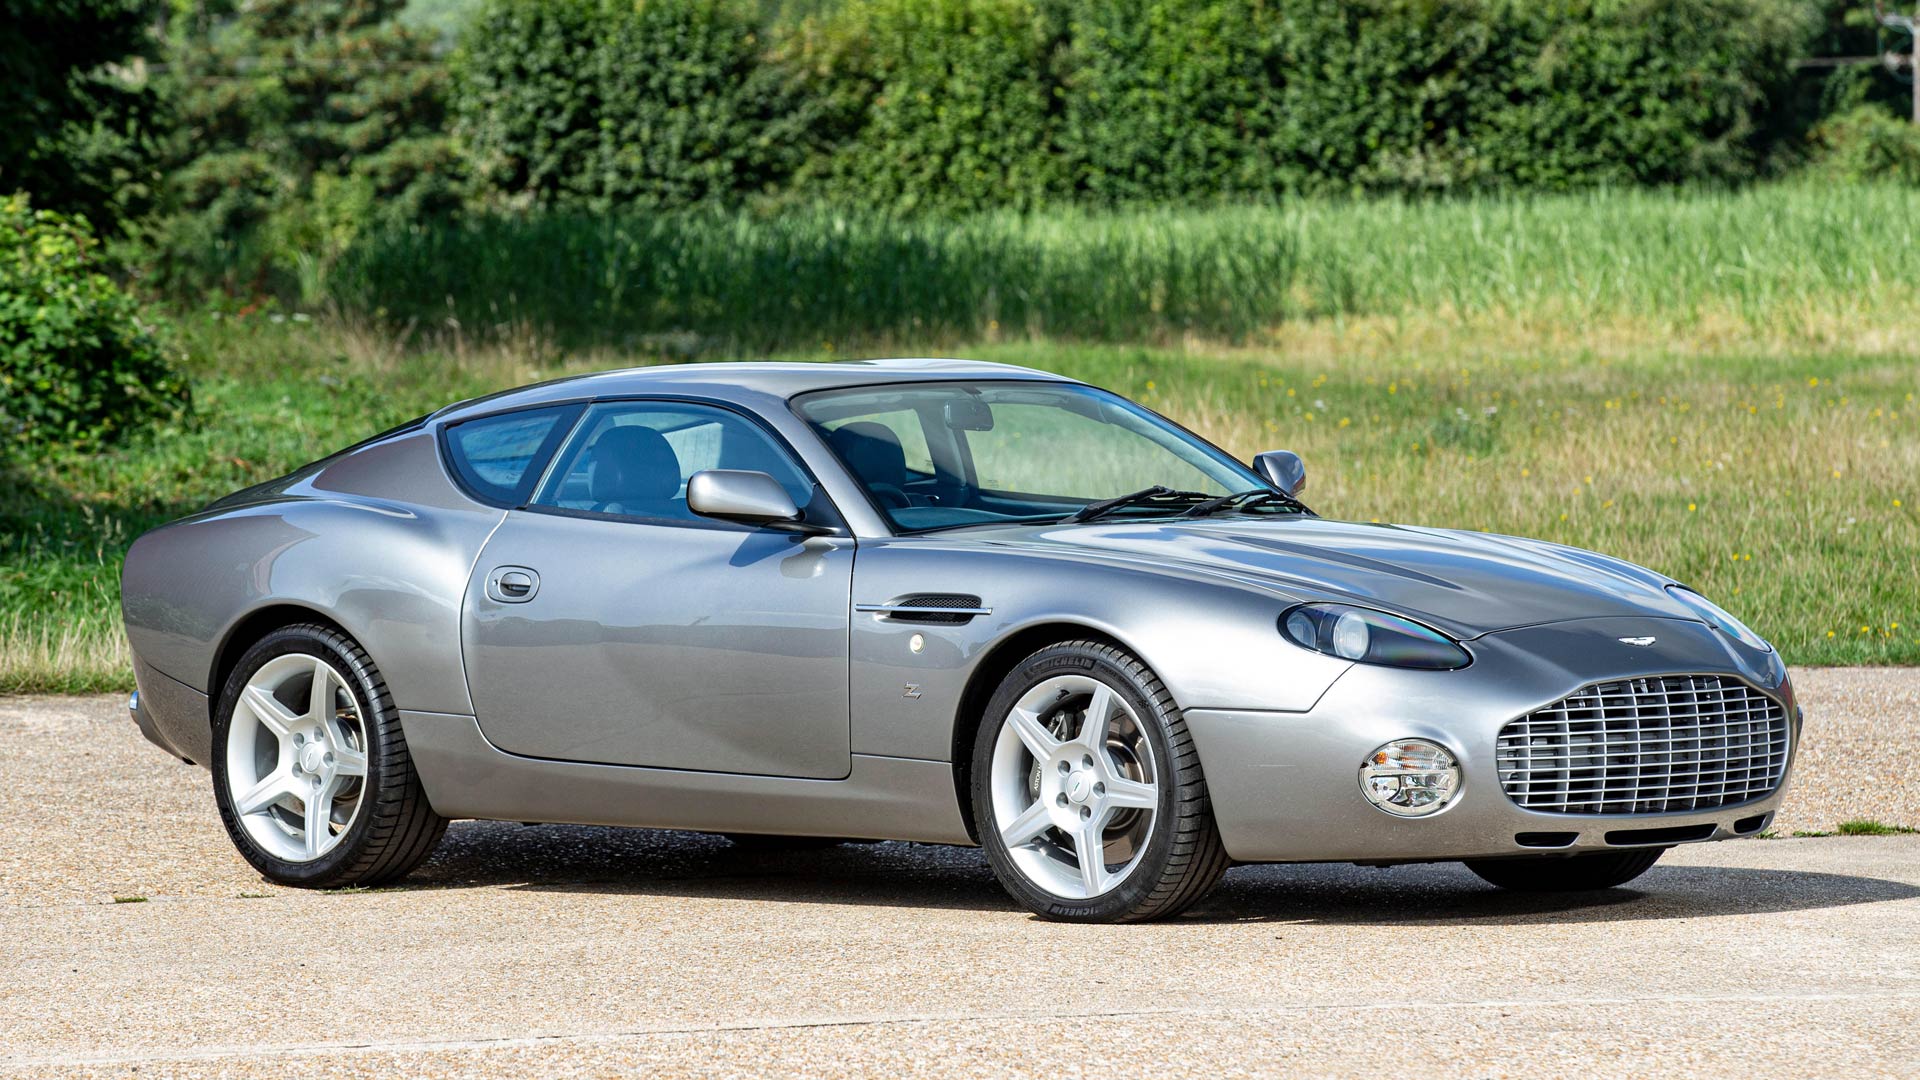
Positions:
{"x": 941, "y": 104}
{"x": 662, "y": 103}
{"x": 956, "y": 105}
{"x": 1172, "y": 99}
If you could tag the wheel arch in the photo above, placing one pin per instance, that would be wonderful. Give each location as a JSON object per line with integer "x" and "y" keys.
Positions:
{"x": 248, "y": 630}
{"x": 988, "y": 673}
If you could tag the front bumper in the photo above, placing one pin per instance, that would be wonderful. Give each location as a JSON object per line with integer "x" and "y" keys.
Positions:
{"x": 1285, "y": 786}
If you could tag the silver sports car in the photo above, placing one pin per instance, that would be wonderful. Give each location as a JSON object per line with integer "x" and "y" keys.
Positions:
{"x": 925, "y": 600}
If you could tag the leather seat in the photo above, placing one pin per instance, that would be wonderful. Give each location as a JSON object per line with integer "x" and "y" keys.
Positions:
{"x": 635, "y": 471}
{"x": 873, "y": 454}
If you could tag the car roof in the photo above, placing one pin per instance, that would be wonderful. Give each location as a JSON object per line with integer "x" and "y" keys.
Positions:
{"x": 735, "y": 381}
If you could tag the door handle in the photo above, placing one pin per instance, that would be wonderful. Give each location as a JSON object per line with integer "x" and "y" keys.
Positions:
{"x": 512, "y": 584}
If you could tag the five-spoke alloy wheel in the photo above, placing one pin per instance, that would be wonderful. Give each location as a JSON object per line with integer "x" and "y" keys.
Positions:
{"x": 1087, "y": 792}
{"x": 310, "y": 769}
{"x": 296, "y": 757}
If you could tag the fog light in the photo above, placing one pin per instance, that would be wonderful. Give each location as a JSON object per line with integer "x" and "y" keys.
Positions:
{"x": 1410, "y": 778}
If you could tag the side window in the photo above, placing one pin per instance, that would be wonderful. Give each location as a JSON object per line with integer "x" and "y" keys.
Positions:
{"x": 500, "y": 458}
{"x": 633, "y": 458}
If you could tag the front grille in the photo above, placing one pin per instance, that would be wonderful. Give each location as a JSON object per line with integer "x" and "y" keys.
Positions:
{"x": 1646, "y": 746}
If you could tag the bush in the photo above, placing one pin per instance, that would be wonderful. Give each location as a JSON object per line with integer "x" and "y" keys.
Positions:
{"x": 962, "y": 105}
{"x": 1168, "y": 100}
{"x": 660, "y": 103}
{"x": 80, "y": 360}
{"x": 957, "y": 103}
{"x": 1612, "y": 92}
{"x": 1868, "y": 143}
{"x": 1486, "y": 95}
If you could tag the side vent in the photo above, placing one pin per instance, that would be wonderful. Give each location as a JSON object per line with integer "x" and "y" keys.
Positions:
{"x": 934, "y": 608}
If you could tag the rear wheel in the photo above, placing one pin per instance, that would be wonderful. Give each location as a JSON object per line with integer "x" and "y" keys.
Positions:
{"x": 1567, "y": 873}
{"x": 1088, "y": 792}
{"x": 310, "y": 769}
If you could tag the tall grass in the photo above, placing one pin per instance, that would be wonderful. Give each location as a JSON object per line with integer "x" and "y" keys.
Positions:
{"x": 1760, "y": 257}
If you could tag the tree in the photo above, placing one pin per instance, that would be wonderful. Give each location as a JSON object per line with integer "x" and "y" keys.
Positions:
{"x": 300, "y": 121}
{"x": 79, "y": 118}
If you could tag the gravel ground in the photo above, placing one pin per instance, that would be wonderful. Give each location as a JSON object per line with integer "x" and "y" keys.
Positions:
{"x": 556, "y": 950}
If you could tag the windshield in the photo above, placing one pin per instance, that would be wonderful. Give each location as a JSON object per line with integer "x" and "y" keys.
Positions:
{"x": 943, "y": 455}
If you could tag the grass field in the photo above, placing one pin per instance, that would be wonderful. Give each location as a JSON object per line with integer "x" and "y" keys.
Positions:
{"x": 1817, "y": 264}
{"x": 1718, "y": 385}
{"x": 1777, "y": 478}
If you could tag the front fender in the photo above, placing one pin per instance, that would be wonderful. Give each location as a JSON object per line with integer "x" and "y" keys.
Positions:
{"x": 1211, "y": 641}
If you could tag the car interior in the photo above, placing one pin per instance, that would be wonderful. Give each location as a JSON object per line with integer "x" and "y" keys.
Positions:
{"x": 936, "y": 456}
{"x": 633, "y": 459}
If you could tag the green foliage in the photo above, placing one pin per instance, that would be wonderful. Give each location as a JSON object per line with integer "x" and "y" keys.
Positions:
{"x": 1170, "y": 100}
{"x": 444, "y": 19}
{"x": 657, "y": 103}
{"x": 964, "y": 105}
{"x": 80, "y": 360}
{"x": 290, "y": 111}
{"x": 1428, "y": 95}
{"x": 1839, "y": 28}
{"x": 940, "y": 104}
{"x": 1642, "y": 91}
{"x": 1868, "y": 143}
{"x": 78, "y": 130}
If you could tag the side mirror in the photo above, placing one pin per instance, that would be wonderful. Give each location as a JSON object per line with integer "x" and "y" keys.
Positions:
{"x": 1282, "y": 470}
{"x": 738, "y": 495}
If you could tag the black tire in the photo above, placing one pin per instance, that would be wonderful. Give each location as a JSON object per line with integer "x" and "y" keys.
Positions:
{"x": 395, "y": 828}
{"x": 1567, "y": 873}
{"x": 1183, "y": 859}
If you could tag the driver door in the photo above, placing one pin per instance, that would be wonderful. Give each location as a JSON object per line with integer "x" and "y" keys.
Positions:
{"x": 605, "y": 622}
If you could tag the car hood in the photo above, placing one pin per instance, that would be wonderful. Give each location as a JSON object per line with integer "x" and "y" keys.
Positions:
{"x": 1463, "y": 583}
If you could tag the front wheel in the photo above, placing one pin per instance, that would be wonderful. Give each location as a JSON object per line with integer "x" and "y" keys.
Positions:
{"x": 310, "y": 769}
{"x": 1088, "y": 792}
{"x": 1567, "y": 873}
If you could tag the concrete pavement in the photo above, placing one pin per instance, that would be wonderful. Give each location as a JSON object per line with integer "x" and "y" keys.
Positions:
{"x": 555, "y": 950}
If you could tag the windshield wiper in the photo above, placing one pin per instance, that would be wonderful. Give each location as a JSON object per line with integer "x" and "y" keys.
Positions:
{"x": 1156, "y": 493}
{"x": 1245, "y": 500}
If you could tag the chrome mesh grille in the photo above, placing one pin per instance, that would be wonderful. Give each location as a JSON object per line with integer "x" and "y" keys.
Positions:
{"x": 1646, "y": 746}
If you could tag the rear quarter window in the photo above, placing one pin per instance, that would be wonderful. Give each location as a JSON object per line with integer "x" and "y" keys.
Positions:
{"x": 498, "y": 459}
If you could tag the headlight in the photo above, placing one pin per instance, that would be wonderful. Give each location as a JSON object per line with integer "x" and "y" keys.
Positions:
{"x": 1371, "y": 637}
{"x": 1718, "y": 616}
{"x": 1410, "y": 778}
